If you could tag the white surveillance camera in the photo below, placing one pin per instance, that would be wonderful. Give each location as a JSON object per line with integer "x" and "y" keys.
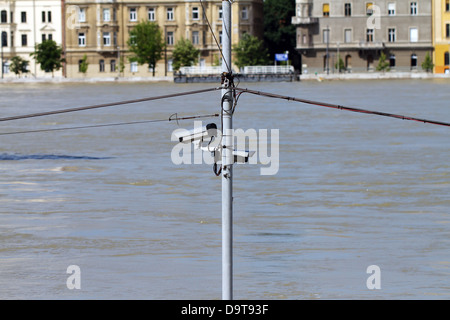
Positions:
{"x": 240, "y": 156}
{"x": 197, "y": 134}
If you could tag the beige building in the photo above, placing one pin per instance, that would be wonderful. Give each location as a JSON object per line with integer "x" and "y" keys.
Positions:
{"x": 100, "y": 30}
{"x": 357, "y": 32}
{"x": 25, "y": 23}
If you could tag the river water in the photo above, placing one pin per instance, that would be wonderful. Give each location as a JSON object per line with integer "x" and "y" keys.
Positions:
{"x": 352, "y": 191}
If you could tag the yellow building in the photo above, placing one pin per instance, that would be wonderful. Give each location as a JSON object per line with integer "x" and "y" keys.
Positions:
{"x": 100, "y": 29}
{"x": 441, "y": 35}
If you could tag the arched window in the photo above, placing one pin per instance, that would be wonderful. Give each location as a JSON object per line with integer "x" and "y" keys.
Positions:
{"x": 413, "y": 61}
{"x": 392, "y": 61}
{"x": 3, "y": 16}
{"x": 348, "y": 62}
{"x": 4, "y": 39}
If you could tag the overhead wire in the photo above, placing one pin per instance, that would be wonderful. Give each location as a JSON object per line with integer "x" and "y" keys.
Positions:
{"x": 340, "y": 107}
{"x": 112, "y": 124}
{"x": 104, "y": 105}
{"x": 214, "y": 36}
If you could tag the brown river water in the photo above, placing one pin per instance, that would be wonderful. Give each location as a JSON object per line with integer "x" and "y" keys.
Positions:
{"x": 352, "y": 191}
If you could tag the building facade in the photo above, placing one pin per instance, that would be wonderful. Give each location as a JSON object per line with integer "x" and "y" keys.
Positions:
{"x": 441, "y": 35}
{"x": 25, "y": 23}
{"x": 357, "y": 32}
{"x": 99, "y": 30}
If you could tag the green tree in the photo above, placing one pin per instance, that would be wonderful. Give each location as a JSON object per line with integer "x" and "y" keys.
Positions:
{"x": 84, "y": 65}
{"x": 147, "y": 44}
{"x": 49, "y": 55}
{"x": 18, "y": 65}
{"x": 339, "y": 65}
{"x": 184, "y": 54}
{"x": 279, "y": 33}
{"x": 250, "y": 51}
{"x": 383, "y": 64}
{"x": 427, "y": 64}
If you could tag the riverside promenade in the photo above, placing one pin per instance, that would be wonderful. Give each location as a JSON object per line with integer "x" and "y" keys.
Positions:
{"x": 303, "y": 77}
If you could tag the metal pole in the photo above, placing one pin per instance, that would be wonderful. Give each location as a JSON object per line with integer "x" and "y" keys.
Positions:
{"x": 227, "y": 160}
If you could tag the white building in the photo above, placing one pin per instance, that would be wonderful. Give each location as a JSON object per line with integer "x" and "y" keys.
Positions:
{"x": 25, "y": 23}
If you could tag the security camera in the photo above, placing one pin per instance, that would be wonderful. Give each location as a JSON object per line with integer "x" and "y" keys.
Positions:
{"x": 240, "y": 156}
{"x": 197, "y": 134}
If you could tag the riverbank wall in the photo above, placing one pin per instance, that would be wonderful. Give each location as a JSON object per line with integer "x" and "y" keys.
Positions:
{"x": 304, "y": 77}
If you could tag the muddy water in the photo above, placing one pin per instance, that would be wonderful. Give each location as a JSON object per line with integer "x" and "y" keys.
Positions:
{"x": 352, "y": 191}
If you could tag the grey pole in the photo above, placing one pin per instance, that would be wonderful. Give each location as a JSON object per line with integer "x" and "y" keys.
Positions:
{"x": 227, "y": 159}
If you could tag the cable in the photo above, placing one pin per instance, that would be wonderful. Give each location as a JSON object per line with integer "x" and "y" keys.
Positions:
{"x": 112, "y": 124}
{"x": 335, "y": 106}
{"x": 214, "y": 36}
{"x": 40, "y": 114}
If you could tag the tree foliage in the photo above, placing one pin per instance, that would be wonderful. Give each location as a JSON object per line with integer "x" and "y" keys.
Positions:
{"x": 279, "y": 33}
{"x": 18, "y": 65}
{"x": 184, "y": 54}
{"x": 250, "y": 51}
{"x": 427, "y": 64}
{"x": 383, "y": 64}
{"x": 49, "y": 55}
{"x": 84, "y": 65}
{"x": 147, "y": 44}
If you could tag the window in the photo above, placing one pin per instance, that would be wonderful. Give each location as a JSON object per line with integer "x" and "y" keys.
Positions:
{"x": 106, "y": 15}
{"x": 151, "y": 14}
{"x": 133, "y": 14}
{"x": 102, "y": 65}
{"x": 244, "y": 13}
{"x": 220, "y": 13}
{"x": 446, "y": 59}
{"x": 447, "y": 30}
{"x": 49, "y": 16}
{"x": 170, "y": 14}
{"x": 392, "y": 61}
{"x": 413, "y": 61}
{"x": 24, "y": 40}
{"x": 113, "y": 65}
{"x": 4, "y": 16}
{"x": 4, "y": 39}
{"x": 43, "y": 16}
{"x": 81, "y": 39}
{"x": 106, "y": 39}
{"x": 43, "y": 37}
{"x": 348, "y": 35}
{"x": 23, "y": 17}
{"x": 81, "y": 15}
{"x": 391, "y": 9}
{"x": 326, "y": 9}
{"x": 134, "y": 66}
{"x": 447, "y": 5}
{"x": 391, "y": 35}
{"x": 348, "y": 9}
{"x": 413, "y": 35}
{"x": 195, "y": 13}
{"x": 170, "y": 65}
{"x": 369, "y": 8}
{"x": 414, "y": 8}
{"x": 170, "y": 38}
{"x": 369, "y": 35}
{"x": 195, "y": 37}
{"x": 220, "y": 37}
{"x": 326, "y": 35}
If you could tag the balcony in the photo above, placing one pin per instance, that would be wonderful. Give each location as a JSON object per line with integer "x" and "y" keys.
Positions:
{"x": 304, "y": 20}
{"x": 369, "y": 45}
